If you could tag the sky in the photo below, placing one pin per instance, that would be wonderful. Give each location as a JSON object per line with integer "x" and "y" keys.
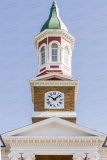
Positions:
{"x": 20, "y": 21}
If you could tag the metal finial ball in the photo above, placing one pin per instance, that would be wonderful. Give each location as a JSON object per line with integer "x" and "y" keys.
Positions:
{"x": 54, "y": 2}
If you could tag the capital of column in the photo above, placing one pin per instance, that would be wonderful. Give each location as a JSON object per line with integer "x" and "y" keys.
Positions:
{"x": 79, "y": 156}
{"x": 28, "y": 156}
{"x": 14, "y": 156}
{"x": 93, "y": 156}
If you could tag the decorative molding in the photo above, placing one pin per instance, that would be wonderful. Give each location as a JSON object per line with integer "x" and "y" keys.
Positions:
{"x": 68, "y": 77}
{"x": 28, "y": 156}
{"x": 102, "y": 151}
{"x": 14, "y": 154}
{"x": 79, "y": 156}
{"x": 48, "y": 141}
{"x": 54, "y": 83}
{"x": 54, "y": 114}
{"x": 54, "y": 32}
{"x": 94, "y": 156}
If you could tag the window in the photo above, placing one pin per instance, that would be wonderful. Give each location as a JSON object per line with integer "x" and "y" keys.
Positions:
{"x": 42, "y": 55}
{"x": 66, "y": 56}
{"x": 54, "y": 52}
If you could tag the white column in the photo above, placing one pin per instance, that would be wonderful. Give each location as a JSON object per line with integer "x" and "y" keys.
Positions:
{"x": 93, "y": 156}
{"x": 49, "y": 53}
{"x": 28, "y": 156}
{"x": 14, "y": 156}
{"x": 79, "y": 156}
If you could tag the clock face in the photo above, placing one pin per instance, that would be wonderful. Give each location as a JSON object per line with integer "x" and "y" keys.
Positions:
{"x": 54, "y": 100}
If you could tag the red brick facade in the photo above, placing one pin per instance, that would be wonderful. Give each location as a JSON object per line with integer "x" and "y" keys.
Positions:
{"x": 39, "y": 100}
{"x": 54, "y": 157}
{"x": 69, "y": 97}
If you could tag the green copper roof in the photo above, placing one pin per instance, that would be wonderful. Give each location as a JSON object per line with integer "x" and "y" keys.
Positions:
{"x": 54, "y": 21}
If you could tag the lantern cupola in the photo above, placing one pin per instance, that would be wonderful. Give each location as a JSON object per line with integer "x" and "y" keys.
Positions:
{"x": 54, "y": 45}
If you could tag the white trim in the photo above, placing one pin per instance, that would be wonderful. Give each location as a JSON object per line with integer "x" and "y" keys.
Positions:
{"x": 50, "y": 51}
{"x": 44, "y": 44}
{"x": 55, "y": 83}
{"x": 47, "y": 59}
{"x": 69, "y": 56}
{"x": 57, "y": 120}
{"x": 48, "y": 114}
{"x": 54, "y": 33}
{"x": 54, "y": 74}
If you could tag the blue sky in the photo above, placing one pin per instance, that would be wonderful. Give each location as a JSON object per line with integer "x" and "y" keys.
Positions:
{"x": 20, "y": 21}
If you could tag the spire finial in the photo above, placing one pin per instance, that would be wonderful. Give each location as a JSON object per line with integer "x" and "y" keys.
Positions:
{"x": 54, "y": 2}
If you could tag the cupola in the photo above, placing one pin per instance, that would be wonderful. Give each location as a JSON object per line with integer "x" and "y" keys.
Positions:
{"x": 54, "y": 45}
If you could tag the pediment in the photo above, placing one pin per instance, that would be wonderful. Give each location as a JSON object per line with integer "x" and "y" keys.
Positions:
{"x": 54, "y": 127}
{"x": 54, "y": 77}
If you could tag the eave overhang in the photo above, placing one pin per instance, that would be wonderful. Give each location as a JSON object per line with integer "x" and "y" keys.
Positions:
{"x": 54, "y": 32}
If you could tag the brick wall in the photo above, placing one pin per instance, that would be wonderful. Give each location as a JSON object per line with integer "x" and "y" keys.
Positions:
{"x": 54, "y": 157}
{"x": 34, "y": 120}
{"x": 69, "y": 95}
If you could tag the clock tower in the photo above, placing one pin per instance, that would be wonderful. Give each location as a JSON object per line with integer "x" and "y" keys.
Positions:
{"x": 54, "y": 90}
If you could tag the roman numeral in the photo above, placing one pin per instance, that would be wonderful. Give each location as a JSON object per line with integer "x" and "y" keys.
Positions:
{"x": 48, "y": 102}
{"x": 54, "y": 93}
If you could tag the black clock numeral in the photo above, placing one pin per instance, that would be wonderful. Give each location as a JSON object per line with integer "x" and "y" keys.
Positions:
{"x": 61, "y": 99}
{"x": 54, "y": 106}
{"x": 48, "y": 99}
{"x": 60, "y": 102}
{"x": 48, "y": 102}
{"x": 51, "y": 105}
{"x": 51, "y": 94}
{"x": 54, "y": 93}
{"x": 57, "y": 104}
{"x": 60, "y": 95}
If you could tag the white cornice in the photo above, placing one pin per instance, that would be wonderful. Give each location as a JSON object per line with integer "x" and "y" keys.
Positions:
{"x": 54, "y": 32}
{"x": 56, "y": 140}
{"x": 54, "y": 114}
{"x": 54, "y": 74}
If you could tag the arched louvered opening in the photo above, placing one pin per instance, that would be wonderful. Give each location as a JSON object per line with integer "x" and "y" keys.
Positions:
{"x": 54, "y": 48}
{"x": 42, "y": 55}
{"x": 66, "y": 56}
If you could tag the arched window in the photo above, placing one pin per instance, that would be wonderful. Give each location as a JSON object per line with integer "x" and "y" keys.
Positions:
{"x": 66, "y": 56}
{"x": 42, "y": 55}
{"x": 54, "y": 48}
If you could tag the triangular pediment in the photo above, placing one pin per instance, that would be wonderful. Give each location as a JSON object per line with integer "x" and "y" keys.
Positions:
{"x": 54, "y": 77}
{"x": 54, "y": 127}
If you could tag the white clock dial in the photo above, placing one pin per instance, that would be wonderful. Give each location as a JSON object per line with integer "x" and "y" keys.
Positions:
{"x": 54, "y": 99}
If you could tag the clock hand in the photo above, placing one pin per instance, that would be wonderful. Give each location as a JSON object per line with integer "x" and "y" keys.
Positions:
{"x": 51, "y": 97}
{"x": 57, "y": 97}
